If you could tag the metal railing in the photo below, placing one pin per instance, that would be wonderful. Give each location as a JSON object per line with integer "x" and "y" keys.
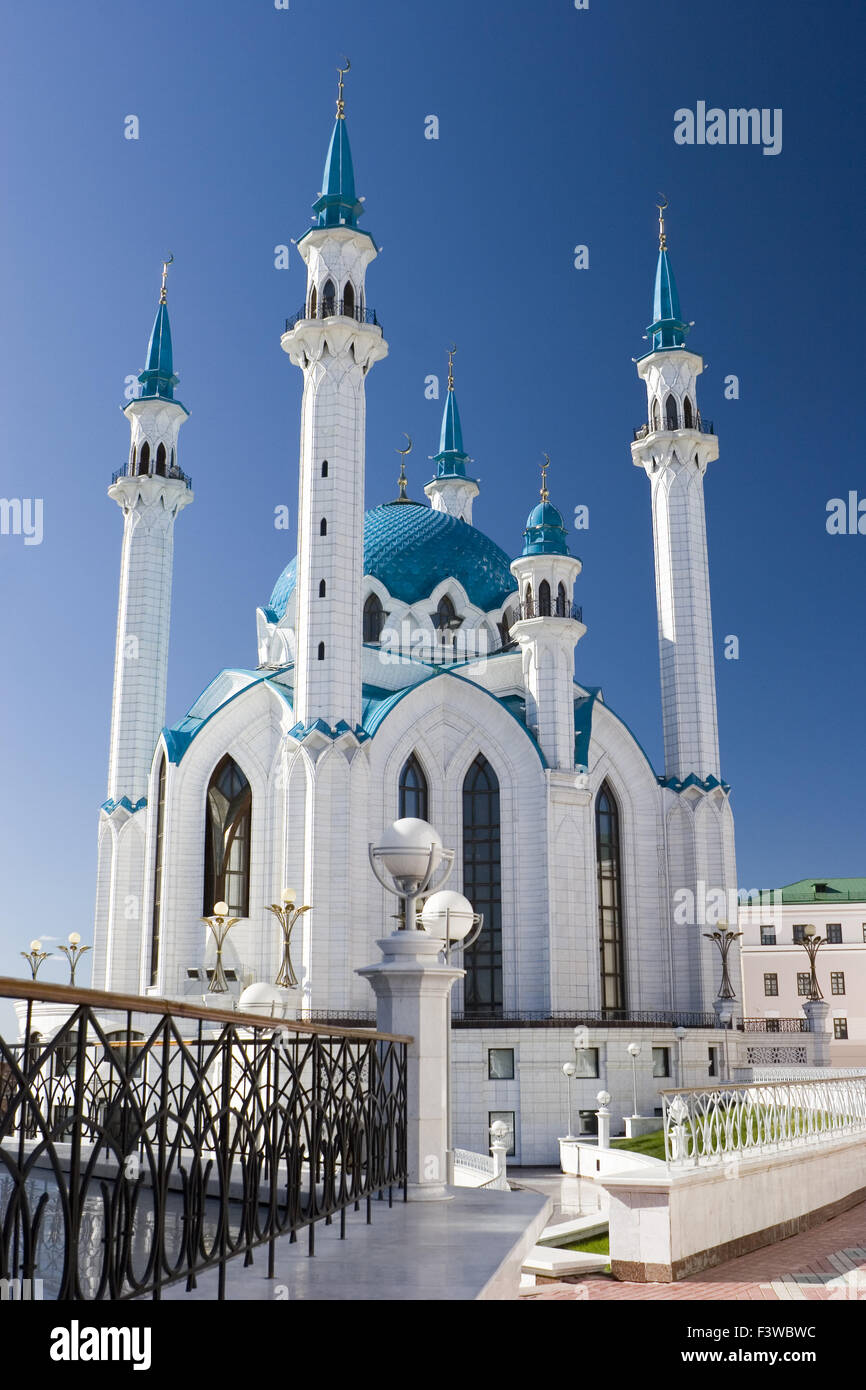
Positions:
{"x": 772, "y": 1025}
{"x": 607, "y": 1018}
{"x": 556, "y": 608}
{"x": 331, "y": 308}
{"x": 149, "y": 1141}
{"x": 174, "y": 473}
{"x": 703, "y": 1126}
{"x": 700, "y": 424}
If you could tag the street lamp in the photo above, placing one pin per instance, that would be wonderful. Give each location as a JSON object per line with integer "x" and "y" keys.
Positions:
{"x": 287, "y": 915}
{"x": 569, "y": 1069}
{"x": 812, "y": 944}
{"x": 679, "y": 1034}
{"x": 35, "y": 957}
{"x": 634, "y": 1053}
{"x": 410, "y": 854}
{"x": 724, "y": 937}
{"x": 73, "y": 953}
{"x": 220, "y": 924}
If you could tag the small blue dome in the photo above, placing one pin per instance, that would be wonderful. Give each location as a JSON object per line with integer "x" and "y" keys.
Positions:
{"x": 545, "y": 531}
{"x": 410, "y": 548}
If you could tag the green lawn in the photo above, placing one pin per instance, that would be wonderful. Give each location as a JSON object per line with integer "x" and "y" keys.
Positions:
{"x": 653, "y": 1145}
{"x": 597, "y": 1245}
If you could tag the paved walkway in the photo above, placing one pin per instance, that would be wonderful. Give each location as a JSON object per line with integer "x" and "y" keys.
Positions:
{"x": 828, "y": 1262}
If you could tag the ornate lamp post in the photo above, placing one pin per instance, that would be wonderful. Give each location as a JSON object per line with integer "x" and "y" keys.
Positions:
{"x": 73, "y": 953}
{"x": 568, "y": 1070}
{"x": 680, "y": 1035}
{"x": 220, "y": 924}
{"x": 410, "y": 854}
{"x": 724, "y": 938}
{"x": 634, "y": 1053}
{"x": 35, "y": 957}
{"x": 812, "y": 944}
{"x": 287, "y": 915}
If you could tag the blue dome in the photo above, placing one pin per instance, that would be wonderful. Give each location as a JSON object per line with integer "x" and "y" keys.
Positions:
{"x": 545, "y": 531}
{"x": 410, "y": 548}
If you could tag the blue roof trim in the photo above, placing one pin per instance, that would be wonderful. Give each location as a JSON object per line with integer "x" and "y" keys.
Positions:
{"x": 596, "y": 693}
{"x": 706, "y": 784}
{"x": 110, "y": 806}
{"x": 584, "y": 706}
{"x": 179, "y": 737}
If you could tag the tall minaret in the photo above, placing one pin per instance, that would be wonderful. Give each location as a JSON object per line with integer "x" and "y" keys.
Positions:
{"x": 335, "y": 339}
{"x": 674, "y": 448}
{"x": 548, "y": 629}
{"x": 451, "y": 490}
{"x": 150, "y": 492}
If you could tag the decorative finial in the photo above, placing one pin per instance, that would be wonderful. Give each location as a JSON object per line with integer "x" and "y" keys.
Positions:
{"x": 451, "y": 352}
{"x": 663, "y": 241}
{"x": 545, "y": 495}
{"x": 165, "y": 266}
{"x": 402, "y": 480}
{"x": 341, "y": 110}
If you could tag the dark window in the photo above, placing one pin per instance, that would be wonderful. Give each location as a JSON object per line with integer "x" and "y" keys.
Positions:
{"x": 323, "y": 588}
{"x": 687, "y": 413}
{"x": 160, "y": 460}
{"x": 507, "y": 1118}
{"x": 586, "y": 1062}
{"x": 768, "y": 936}
{"x": 500, "y": 1063}
{"x": 656, "y": 414}
{"x": 156, "y": 914}
{"x": 799, "y": 935}
{"x": 837, "y": 982}
{"x": 661, "y": 1061}
{"x": 374, "y": 617}
{"x": 446, "y": 613}
{"x": 544, "y": 599}
{"x": 840, "y": 1028}
{"x": 313, "y": 298}
{"x": 528, "y": 605}
{"x": 561, "y": 602}
{"x": 349, "y": 300}
{"x": 833, "y": 934}
{"x": 144, "y": 458}
{"x": 713, "y": 1061}
{"x": 324, "y": 468}
{"x": 132, "y": 460}
{"x": 609, "y": 900}
{"x": 804, "y": 984}
{"x": 672, "y": 419}
{"x": 482, "y": 886}
{"x": 227, "y": 840}
{"x": 328, "y": 298}
{"x": 771, "y": 985}
{"x": 413, "y": 795}
{"x": 323, "y": 527}
{"x": 321, "y": 654}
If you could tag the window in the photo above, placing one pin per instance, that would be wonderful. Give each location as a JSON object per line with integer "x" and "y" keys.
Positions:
{"x": 840, "y": 1029}
{"x": 544, "y": 599}
{"x": 323, "y": 589}
{"x": 672, "y": 419}
{"x": 837, "y": 982}
{"x": 529, "y": 609}
{"x": 144, "y": 458}
{"x": 323, "y": 527}
{"x": 156, "y": 914}
{"x": 482, "y": 886}
{"x": 160, "y": 460}
{"x": 313, "y": 298}
{"x": 374, "y": 618}
{"x": 413, "y": 798}
{"x": 132, "y": 461}
{"x": 799, "y": 935}
{"x": 804, "y": 984}
{"x": 561, "y": 602}
{"x": 500, "y": 1063}
{"x": 609, "y": 900}
{"x": 687, "y": 413}
{"x": 227, "y": 840}
{"x": 349, "y": 300}
{"x": 507, "y": 1118}
{"x": 833, "y": 934}
{"x": 446, "y": 613}
{"x": 864, "y": 931}
{"x": 771, "y": 985}
{"x": 768, "y": 936}
{"x": 661, "y": 1061}
{"x": 656, "y": 414}
{"x": 320, "y": 655}
{"x": 586, "y": 1062}
{"x": 713, "y": 1061}
{"x": 324, "y": 468}
{"x": 329, "y": 295}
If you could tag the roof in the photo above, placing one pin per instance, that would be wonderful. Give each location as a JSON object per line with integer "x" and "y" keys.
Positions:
{"x": 823, "y": 891}
{"x": 545, "y": 532}
{"x": 412, "y": 548}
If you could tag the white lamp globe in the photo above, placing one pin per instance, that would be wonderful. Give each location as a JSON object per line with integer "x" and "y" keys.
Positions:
{"x": 220, "y": 909}
{"x": 404, "y": 849}
{"x": 634, "y": 1049}
{"x": 603, "y": 1098}
{"x": 73, "y": 938}
{"x": 262, "y": 998}
{"x": 448, "y": 915}
{"x": 569, "y": 1068}
{"x": 36, "y": 945}
{"x": 498, "y": 1130}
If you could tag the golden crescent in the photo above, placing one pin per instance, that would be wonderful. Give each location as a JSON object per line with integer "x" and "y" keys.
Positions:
{"x": 404, "y": 452}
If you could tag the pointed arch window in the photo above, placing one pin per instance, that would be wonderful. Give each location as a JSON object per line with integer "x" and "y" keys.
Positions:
{"x": 374, "y": 618}
{"x": 160, "y": 460}
{"x": 561, "y": 602}
{"x": 413, "y": 797}
{"x": 228, "y": 823}
{"x": 144, "y": 458}
{"x": 544, "y": 599}
{"x": 349, "y": 300}
{"x": 323, "y": 527}
{"x": 610, "y": 932}
{"x": 156, "y": 912}
{"x": 132, "y": 461}
{"x": 672, "y": 419}
{"x": 482, "y": 876}
{"x": 446, "y": 613}
{"x": 313, "y": 299}
{"x": 329, "y": 295}
{"x": 656, "y": 416}
{"x": 528, "y": 604}
{"x": 688, "y": 418}
{"x": 323, "y": 589}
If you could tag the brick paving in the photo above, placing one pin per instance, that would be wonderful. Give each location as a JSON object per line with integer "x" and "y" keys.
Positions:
{"x": 828, "y": 1262}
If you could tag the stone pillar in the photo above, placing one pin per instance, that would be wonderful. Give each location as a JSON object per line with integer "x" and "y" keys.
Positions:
{"x": 817, "y": 1011}
{"x": 412, "y": 989}
{"x": 603, "y": 1117}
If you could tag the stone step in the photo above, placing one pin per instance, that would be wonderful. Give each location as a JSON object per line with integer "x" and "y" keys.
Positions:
{"x": 551, "y": 1263}
{"x": 575, "y": 1229}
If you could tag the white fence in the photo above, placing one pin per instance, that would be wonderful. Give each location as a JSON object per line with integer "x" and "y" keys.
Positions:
{"x": 477, "y": 1170}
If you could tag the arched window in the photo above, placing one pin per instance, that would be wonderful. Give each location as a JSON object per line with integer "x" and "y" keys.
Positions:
{"x": 656, "y": 414}
{"x": 323, "y": 588}
{"x": 413, "y": 797}
{"x": 672, "y": 419}
{"x": 228, "y": 817}
{"x": 607, "y": 845}
{"x": 321, "y": 655}
{"x": 481, "y": 884}
{"x": 313, "y": 298}
{"x": 374, "y": 617}
{"x": 528, "y": 604}
{"x": 445, "y": 612}
{"x": 144, "y": 458}
{"x": 329, "y": 295}
{"x": 688, "y": 419}
{"x": 349, "y": 300}
{"x": 173, "y": 461}
{"x": 323, "y": 527}
{"x": 324, "y": 468}
{"x": 156, "y": 914}
{"x": 132, "y": 461}
{"x": 544, "y": 599}
{"x": 505, "y": 627}
{"x": 160, "y": 460}
{"x": 561, "y": 602}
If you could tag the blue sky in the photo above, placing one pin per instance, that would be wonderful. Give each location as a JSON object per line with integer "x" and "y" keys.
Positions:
{"x": 556, "y": 129}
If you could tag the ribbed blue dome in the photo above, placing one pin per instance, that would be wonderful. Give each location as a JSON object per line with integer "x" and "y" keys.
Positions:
{"x": 545, "y": 531}
{"x": 411, "y": 548}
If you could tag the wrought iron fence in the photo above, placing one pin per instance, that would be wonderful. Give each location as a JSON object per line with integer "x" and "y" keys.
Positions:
{"x": 607, "y": 1018}
{"x": 773, "y": 1025}
{"x": 704, "y": 1126}
{"x": 146, "y": 1142}
{"x": 175, "y": 473}
{"x": 700, "y": 424}
{"x": 553, "y": 608}
{"x": 328, "y": 308}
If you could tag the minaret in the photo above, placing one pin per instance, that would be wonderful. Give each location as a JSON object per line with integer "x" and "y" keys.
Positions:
{"x": 548, "y": 629}
{"x": 151, "y": 491}
{"x": 334, "y": 339}
{"x": 674, "y": 448}
{"x": 451, "y": 490}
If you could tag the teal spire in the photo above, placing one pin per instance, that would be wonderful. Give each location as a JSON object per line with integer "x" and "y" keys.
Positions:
{"x": 338, "y": 204}
{"x": 158, "y": 379}
{"x": 545, "y": 532}
{"x": 667, "y": 329}
{"x": 452, "y": 458}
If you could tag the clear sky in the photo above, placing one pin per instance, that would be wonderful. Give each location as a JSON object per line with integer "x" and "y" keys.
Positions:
{"x": 556, "y": 129}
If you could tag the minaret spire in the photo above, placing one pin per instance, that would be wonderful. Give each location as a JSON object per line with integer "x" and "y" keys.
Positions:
{"x": 451, "y": 490}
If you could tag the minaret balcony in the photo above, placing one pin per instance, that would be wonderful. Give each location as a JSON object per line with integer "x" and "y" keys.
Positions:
{"x": 700, "y": 426}
{"x": 335, "y": 308}
{"x": 172, "y": 473}
{"x": 557, "y": 608}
